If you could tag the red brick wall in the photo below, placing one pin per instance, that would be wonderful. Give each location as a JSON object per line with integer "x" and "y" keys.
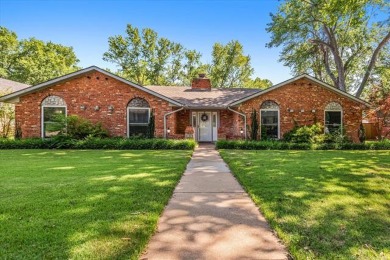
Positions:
{"x": 92, "y": 89}
{"x": 230, "y": 123}
{"x": 307, "y": 95}
{"x": 182, "y": 121}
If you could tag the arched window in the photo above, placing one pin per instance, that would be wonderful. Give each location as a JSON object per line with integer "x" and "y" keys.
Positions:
{"x": 269, "y": 119}
{"x": 138, "y": 117}
{"x": 53, "y": 112}
{"x": 333, "y": 117}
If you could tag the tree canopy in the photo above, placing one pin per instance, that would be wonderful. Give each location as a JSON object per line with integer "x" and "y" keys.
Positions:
{"x": 339, "y": 41}
{"x": 33, "y": 61}
{"x": 229, "y": 68}
{"x": 144, "y": 57}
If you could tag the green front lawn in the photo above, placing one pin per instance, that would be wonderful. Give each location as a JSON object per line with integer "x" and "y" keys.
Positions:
{"x": 323, "y": 204}
{"x": 83, "y": 204}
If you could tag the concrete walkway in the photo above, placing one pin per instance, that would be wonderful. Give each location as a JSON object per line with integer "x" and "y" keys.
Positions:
{"x": 210, "y": 216}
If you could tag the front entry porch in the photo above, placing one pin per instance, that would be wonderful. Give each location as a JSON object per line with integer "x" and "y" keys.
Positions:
{"x": 205, "y": 125}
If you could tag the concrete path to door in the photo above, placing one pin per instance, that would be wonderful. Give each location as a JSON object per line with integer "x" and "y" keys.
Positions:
{"x": 210, "y": 216}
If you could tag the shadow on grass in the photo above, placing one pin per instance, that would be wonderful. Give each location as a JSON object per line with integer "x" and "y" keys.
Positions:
{"x": 83, "y": 204}
{"x": 324, "y": 204}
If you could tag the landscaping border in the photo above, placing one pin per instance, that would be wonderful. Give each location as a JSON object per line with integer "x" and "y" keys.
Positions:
{"x": 281, "y": 145}
{"x": 97, "y": 144}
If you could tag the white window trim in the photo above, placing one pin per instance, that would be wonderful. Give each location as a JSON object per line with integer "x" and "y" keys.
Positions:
{"x": 270, "y": 109}
{"x": 128, "y": 114}
{"x": 42, "y": 117}
{"x": 333, "y": 110}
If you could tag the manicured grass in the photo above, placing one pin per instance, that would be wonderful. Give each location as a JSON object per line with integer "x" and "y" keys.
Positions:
{"x": 61, "y": 204}
{"x": 323, "y": 204}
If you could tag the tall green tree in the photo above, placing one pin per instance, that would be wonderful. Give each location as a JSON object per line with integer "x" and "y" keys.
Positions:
{"x": 9, "y": 46}
{"x": 33, "y": 61}
{"x": 338, "y": 41}
{"x": 230, "y": 68}
{"x": 144, "y": 57}
{"x": 258, "y": 83}
{"x": 7, "y": 116}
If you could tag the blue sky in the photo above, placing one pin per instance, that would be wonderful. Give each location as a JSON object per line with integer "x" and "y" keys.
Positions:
{"x": 86, "y": 26}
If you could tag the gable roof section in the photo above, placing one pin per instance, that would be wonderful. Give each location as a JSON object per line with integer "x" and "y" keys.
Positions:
{"x": 6, "y": 84}
{"x": 319, "y": 82}
{"x": 216, "y": 98}
{"x": 75, "y": 74}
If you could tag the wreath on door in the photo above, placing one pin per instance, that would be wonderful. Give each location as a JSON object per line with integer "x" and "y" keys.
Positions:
{"x": 204, "y": 117}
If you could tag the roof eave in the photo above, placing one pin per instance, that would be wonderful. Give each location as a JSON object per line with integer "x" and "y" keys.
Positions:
{"x": 206, "y": 107}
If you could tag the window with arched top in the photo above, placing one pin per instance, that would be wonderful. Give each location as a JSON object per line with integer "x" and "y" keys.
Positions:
{"x": 53, "y": 113}
{"x": 333, "y": 117}
{"x": 138, "y": 117}
{"x": 269, "y": 120}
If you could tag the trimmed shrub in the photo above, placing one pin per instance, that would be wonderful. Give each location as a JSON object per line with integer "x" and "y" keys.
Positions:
{"x": 282, "y": 145}
{"x": 303, "y": 134}
{"x": 80, "y": 128}
{"x": 254, "y": 127}
{"x": 64, "y": 142}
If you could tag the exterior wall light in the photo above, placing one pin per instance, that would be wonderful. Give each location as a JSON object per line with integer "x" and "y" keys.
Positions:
{"x": 83, "y": 107}
{"x": 168, "y": 132}
{"x": 97, "y": 108}
{"x": 110, "y": 108}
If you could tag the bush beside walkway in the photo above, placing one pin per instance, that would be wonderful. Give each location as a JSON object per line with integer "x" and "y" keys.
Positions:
{"x": 97, "y": 143}
{"x": 281, "y": 145}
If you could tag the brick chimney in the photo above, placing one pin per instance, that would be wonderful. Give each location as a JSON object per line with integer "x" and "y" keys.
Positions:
{"x": 201, "y": 83}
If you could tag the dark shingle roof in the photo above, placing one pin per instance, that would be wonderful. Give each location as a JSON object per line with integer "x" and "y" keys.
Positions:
{"x": 193, "y": 98}
{"x": 10, "y": 85}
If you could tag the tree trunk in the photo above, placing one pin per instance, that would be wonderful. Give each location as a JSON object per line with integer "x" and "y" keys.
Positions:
{"x": 371, "y": 64}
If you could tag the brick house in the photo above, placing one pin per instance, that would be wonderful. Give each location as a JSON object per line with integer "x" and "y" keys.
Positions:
{"x": 207, "y": 114}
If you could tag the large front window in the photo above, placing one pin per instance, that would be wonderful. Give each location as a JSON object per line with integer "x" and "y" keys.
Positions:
{"x": 269, "y": 114}
{"x": 333, "y": 118}
{"x": 138, "y": 117}
{"x": 53, "y": 116}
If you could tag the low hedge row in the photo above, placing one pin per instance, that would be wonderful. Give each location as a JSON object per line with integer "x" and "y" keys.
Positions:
{"x": 280, "y": 145}
{"x": 97, "y": 143}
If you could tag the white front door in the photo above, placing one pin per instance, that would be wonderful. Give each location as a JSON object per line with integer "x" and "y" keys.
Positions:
{"x": 205, "y": 129}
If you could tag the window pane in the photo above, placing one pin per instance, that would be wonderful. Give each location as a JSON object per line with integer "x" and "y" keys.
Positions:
{"x": 269, "y": 131}
{"x": 51, "y": 120}
{"x": 139, "y": 130}
{"x": 138, "y": 116}
{"x": 194, "y": 120}
{"x": 332, "y": 121}
{"x": 269, "y": 117}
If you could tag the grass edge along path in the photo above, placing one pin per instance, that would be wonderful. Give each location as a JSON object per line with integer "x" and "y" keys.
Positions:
{"x": 83, "y": 204}
{"x": 322, "y": 204}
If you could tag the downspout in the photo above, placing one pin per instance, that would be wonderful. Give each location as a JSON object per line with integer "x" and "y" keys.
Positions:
{"x": 241, "y": 114}
{"x": 165, "y": 120}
